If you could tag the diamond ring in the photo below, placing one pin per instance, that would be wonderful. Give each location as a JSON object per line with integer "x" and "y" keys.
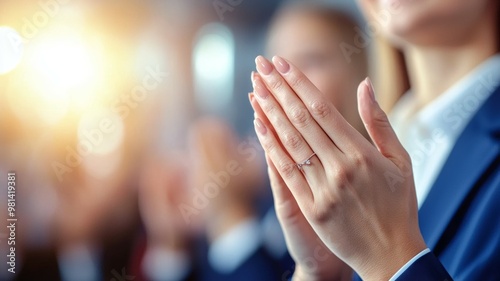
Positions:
{"x": 305, "y": 162}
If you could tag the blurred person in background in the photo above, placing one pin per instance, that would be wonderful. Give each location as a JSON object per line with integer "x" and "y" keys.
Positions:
{"x": 233, "y": 167}
{"x": 168, "y": 250}
{"x": 80, "y": 228}
{"x": 383, "y": 217}
{"x": 311, "y": 36}
{"x": 201, "y": 222}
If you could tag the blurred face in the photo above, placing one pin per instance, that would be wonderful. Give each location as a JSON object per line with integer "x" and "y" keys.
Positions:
{"x": 312, "y": 44}
{"x": 427, "y": 22}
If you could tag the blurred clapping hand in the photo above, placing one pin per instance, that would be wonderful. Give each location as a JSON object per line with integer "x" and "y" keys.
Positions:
{"x": 162, "y": 187}
{"x": 228, "y": 173}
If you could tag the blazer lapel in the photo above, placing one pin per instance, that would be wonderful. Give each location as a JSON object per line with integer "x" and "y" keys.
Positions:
{"x": 473, "y": 153}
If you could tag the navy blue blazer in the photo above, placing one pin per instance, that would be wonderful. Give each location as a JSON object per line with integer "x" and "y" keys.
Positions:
{"x": 460, "y": 218}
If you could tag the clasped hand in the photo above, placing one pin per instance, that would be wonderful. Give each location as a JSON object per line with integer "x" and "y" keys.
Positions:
{"x": 355, "y": 199}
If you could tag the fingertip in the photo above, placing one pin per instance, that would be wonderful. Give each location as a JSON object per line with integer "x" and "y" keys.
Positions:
{"x": 281, "y": 64}
{"x": 360, "y": 90}
{"x": 259, "y": 126}
{"x": 362, "y": 99}
{"x": 371, "y": 90}
{"x": 250, "y": 97}
{"x": 253, "y": 102}
{"x": 263, "y": 65}
{"x": 365, "y": 90}
{"x": 253, "y": 75}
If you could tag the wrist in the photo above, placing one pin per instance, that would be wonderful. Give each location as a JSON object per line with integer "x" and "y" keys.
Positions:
{"x": 388, "y": 261}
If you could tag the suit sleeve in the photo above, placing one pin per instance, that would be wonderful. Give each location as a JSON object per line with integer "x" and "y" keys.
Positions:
{"x": 427, "y": 267}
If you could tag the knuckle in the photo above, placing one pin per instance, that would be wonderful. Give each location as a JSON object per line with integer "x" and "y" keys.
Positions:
{"x": 270, "y": 109}
{"x": 269, "y": 146}
{"x": 299, "y": 117}
{"x": 404, "y": 164}
{"x": 321, "y": 215}
{"x": 276, "y": 84}
{"x": 286, "y": 169}
{"x": 320, "y": 109}
{"x": 343, "y": 177}
{"x": 406, "y": 158}
{"x": 361, "y": 160}
{"x": 286, "y": 211}
{"x": 324, "y": 211}
{"x": 297, "y": 81}
{"x": 274, "y": 115}
{"x": 292, "y": 141}
{"x": 380, "y": 119}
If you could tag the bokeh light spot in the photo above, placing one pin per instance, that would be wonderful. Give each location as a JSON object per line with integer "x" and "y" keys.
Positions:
{"x": 11, "y": 49}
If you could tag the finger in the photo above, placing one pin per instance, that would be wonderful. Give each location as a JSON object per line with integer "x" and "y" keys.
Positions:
{"x": 295, "y": 111}
{"x": 378, "y": 127}
{"x": 258, "y": 113}
{"x": 281, "y": 193}
{"x": 295, "y": 226}
{"x": 291, "y": 139}
{"x": 345, "y": 137}
{"x": 310, "y": 171}
{"x": 287, "y": 209}
{"x": 285, "y": 166}
{"x": 258, "y": 110}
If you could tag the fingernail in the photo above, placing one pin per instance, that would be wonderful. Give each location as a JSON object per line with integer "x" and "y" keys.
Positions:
{"x": 260, "y": 89}
{"x": 259, "y": 126}
{"x": 263, "y": 65}
{"x": 252, "y": 77}
{"x": 371, "y": 90}
{"x": 281, "y": 65}
{"x": 251, "y": 97}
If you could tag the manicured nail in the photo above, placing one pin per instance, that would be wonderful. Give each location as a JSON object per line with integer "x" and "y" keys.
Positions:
{"x": 252, "y": 77}
{"x": 371, "y": 90}
{"x": 260, "y": 89}
{"x": 263, "y": 65}
{"x": 281, "y": 65}
{"x": 259, "y": 126}
{"x": 251, "y": 97}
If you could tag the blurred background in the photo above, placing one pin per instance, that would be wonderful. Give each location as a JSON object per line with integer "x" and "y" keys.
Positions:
{"x": 91, "y": 93}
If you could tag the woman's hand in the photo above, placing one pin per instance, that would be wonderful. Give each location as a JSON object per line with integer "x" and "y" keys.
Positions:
{"x": 359, "y": 199}
{"x": 314, "y": 261}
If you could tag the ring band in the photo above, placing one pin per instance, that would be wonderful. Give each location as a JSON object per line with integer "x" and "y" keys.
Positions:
{"x": 305, "y": 162}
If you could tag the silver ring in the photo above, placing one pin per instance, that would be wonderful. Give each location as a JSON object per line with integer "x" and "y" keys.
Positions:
{"x": 305, "y": 162}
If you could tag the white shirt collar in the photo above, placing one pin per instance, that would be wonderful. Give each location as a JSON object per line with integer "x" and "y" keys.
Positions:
{"x": 463, "y": 99}
{"x": 233, "y": 248}
{"x": 430, "y": 133}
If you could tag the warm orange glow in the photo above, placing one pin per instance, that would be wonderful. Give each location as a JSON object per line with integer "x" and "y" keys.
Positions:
{"x": 62, "y": 71}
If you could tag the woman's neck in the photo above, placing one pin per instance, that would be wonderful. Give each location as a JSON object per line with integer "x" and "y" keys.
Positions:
{"x": 432, "y": 70}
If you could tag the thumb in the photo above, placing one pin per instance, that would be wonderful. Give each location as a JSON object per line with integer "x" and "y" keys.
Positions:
{"x": 377, "y": 125}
